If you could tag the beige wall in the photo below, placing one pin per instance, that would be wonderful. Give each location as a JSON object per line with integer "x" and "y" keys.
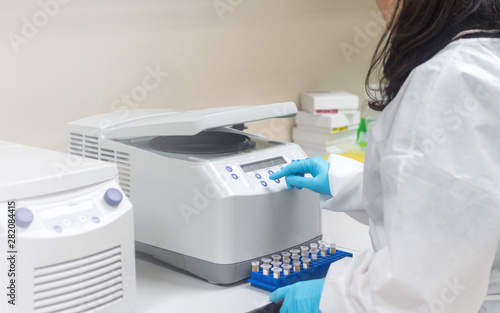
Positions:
{"x": 81, "y": 60}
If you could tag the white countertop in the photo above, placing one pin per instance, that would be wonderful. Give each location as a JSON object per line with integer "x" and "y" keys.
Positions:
{"x": 162, "y": 288}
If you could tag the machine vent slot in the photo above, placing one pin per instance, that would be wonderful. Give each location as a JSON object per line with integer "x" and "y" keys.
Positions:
{"x": 83, "y": 145}
{"x": 123, "y": 162}
{"x": 121, "y": 159}
{"x": 91, "y": 147}
{"x": 76, "y": 144}
{"x": 81, "y": 285}
{"x": 91, "y": 152}
{"x": 88, "y": 146}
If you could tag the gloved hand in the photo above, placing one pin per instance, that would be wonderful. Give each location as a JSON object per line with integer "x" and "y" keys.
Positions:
{"x": 301, "y": 297}
{"x": 295, "y": 171}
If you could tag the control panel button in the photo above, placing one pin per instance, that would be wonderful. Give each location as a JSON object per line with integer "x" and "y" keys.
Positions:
{"x": 258, "y": 176}
{"x": 270, "y": 172}
{"x": 277, "y": 181}
{"x": 234, "y": 176}
{"x": 24, "y": 217}
{"x": 57, "y": 229}
{"x": 229, "y": 169}
{"x": 95, "y": 219}
{"x": 113, "y": 197}
{"x": 263, "y": 183}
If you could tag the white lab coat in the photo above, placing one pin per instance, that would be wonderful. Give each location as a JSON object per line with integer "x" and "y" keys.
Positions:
{"x": 429, "y": 191}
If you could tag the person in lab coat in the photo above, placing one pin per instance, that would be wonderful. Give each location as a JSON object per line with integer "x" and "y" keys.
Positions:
{"x": 430, "y": 186}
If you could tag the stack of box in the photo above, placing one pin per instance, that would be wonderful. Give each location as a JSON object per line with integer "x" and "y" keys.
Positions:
{"x": 328, "y": 122}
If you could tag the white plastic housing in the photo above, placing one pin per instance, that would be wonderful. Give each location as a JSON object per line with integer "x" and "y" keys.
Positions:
{"x": 76, "y": 252}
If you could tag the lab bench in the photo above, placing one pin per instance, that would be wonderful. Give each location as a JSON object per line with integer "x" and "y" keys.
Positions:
{"x": 162, "y": 288}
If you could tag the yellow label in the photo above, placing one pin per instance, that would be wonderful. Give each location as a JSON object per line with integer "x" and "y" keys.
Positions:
{"x": 339, "y": 129}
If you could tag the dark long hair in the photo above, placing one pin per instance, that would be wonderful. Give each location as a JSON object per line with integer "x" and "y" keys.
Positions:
{"x": 418, "y": 30}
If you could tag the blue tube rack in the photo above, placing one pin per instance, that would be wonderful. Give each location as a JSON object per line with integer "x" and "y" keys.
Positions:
{"x": 317, "y": 269}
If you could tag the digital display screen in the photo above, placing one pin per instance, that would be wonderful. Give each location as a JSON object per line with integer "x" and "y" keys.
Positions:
{"x": 255, "y": 166}
{"x": 67, "y": 210}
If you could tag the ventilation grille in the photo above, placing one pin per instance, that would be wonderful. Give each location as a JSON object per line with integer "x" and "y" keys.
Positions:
{"x": 83, "y": 145}
{"x": 82, "y": 285}
{"x": 88, "y": 146}
{"x": 123, "y": 162}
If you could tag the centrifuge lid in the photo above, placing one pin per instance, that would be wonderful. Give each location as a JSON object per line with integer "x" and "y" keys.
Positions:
{"x": 189, "y": 123}
{"x": 31, "y": 172}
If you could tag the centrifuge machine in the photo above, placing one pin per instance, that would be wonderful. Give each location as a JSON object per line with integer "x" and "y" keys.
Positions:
{"x": 66, "y": 234}
{"x": 202, "y": 196}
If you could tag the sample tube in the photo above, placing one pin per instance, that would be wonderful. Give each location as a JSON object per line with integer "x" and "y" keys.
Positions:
{"x": 305, "y": 262}
{"x": 295, "y": 257}
{"x": 286, "y": 269}
{"x": 276, "y": 257}
{"x": 295, "y": 251}
{"x": 266, "y": 260}
{"x": 322, "y": 243}
{"x": 333, "y": 248}
{"x": 305, "y": 251}
{"x": 265, "y": 269}
{"x": 313, "y": 245}
{"x": 286, "y": 254}
{"x": 276, "y": 263}
{"x": 323, "y": 251}
{"x": 255, "y": 266}
{"x": 286, "y": 260}
{"x": 314, "y": 253}
{"x": 276, "y": 272}
{"x": 296, "y": 266}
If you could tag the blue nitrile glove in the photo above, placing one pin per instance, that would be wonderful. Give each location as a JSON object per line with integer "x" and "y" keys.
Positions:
{"x": 301, "y": 297}
{"x": 295, "y": 171}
